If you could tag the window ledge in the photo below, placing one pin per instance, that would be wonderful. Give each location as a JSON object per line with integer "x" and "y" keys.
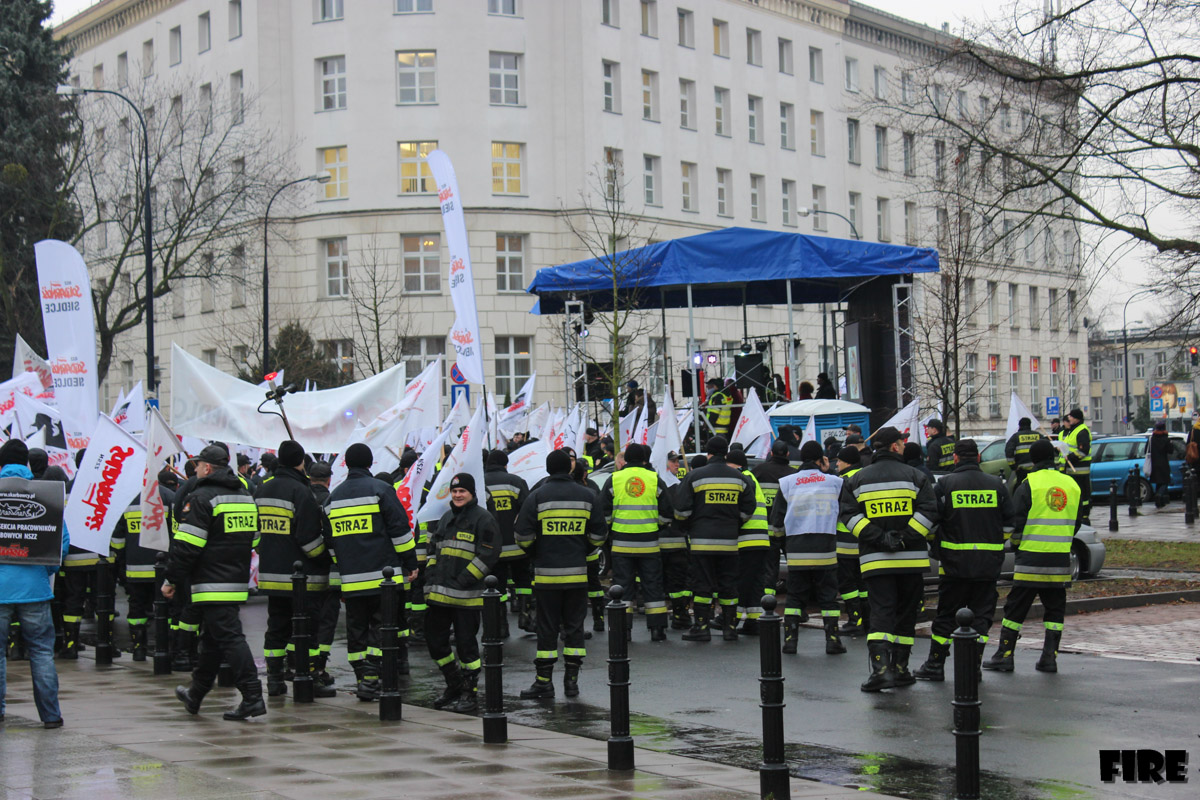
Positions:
{"x": 331, "y": 19}
{"x": 507, "y": 105}
{"x": 407, "y": 105}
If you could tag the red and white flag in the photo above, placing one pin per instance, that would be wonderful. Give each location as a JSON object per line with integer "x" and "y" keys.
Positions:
{"x": 161, "y": 445}
{"x": 109, "y": 477}
{"x": 752, "y": 423}
{"x": 467, "y": 456}
{"x": 69, "y": 320}
{"x": 408, "y": 491}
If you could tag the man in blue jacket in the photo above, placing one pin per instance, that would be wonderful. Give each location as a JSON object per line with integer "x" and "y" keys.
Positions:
{"x": 25, "y": 595}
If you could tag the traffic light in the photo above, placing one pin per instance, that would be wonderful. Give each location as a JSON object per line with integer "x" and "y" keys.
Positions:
{"x": 1194, "y": 355}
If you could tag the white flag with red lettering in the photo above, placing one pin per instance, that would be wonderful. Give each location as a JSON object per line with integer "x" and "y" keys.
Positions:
{"x": 666, "y": 439}
{"x": 161, "y": 445}
{"x": 26, "y": 359}
{"x": 752, "y": 423}
{"x": 408, "y": 491}
{"x": 466, "y": 457}
{"x": 69, "y": 320}
{"x": 109, "y": 478}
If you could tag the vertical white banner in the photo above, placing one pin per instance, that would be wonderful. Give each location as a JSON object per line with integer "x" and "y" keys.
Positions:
{"x": 752, "y": 422}
{"x": 465, "y": 333}
{"x": 109, "y": 477}
{"x": 161, "y": 445}
{"x": 666, "y": 439}
{"x": 467, "y": 456}
{"x": 66, "y": 297}
{"x": 26, "y": 359}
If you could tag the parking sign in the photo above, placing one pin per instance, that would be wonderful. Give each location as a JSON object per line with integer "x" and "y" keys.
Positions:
{"x": 1156, "y": 405}
{"x": 459, "y": 388}
{"x": 1052, "y": 407}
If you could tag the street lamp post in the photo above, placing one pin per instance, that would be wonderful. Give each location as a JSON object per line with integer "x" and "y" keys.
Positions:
{"x": 1125, "y": 345}
{"x": 147, "y": 229}
{"x": 804, "y": 211}
{"x": 324, "y": 177}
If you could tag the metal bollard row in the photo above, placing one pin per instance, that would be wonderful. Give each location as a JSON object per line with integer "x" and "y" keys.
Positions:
{"x": 162, "y": 619}
{"x": 302, "y": 683}
{"x": 1113, "y": 525}
{"x": 773, "y": 778}
{"x": 495, "y": 721}
{"x": 105, "y": 609}
{"x": 966, "y": 707}
{"x": 1133, "y": 488}
{"x": 1189, "y": 495}
{"x": 620, "y": 743}
{"x": 390, "y": 701}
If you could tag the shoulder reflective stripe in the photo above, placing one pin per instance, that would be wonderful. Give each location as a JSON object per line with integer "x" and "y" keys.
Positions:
{"x": 275, "y": 503}
{"x": 885, "y": 486}
{"x": 564, "y": 504}
{"x": 353, "y": 501}
{"x": 718, "y": 483}
{"x": 357, "y": 510}
{"x": 885, "y": 494}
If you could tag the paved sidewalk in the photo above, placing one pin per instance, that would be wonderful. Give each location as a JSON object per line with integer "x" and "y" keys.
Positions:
{"x": 1153, "y": 524}
{"x": 126, "y": 736}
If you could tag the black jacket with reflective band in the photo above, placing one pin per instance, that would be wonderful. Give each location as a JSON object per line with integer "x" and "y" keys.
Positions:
{"x": 560, "y": 524}
{"x": 368, "y": 530}
{"x": 712, "y": 503}
{"x": 505, "y": 494}
{"x": 939, "y": 454}
{"x": 890, "y": 496}
{"x": 217, "y": 532}
{"x": 976, "y": 513}
{"x": 464, "y": 546}
{"x": 292, "y": 528}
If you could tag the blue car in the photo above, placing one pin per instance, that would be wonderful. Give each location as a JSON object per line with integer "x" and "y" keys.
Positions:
{"x": 1114, "y": 456}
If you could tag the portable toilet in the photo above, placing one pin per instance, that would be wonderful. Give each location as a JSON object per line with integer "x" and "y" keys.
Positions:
{"x": 832, "y": 417}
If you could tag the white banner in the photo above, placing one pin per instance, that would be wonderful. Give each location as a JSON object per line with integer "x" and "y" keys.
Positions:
{"x": 512, "y": 418}
{"x": 208, "y": 404}
{"x": 26, "y": 384}
{"x": 641, "y": 431}
{"x": 131, "y": 414}
{"x": 413, "y": 481}
{"x": 529, "y": 461}
{"x": 666, "y": 439}
{"x": 810, "y": 431}
{"x": 626, "y": 430}
{"x": 70, "y": 324}
{"x": 907, "y": 419}
{"x": 26, "y": 359}
{"x": 536, "y": 420}
{"x": 161, "y": 445}
{"x": 467, "y": 456}
{"x": 110, "y": 477}
{"x": 465, "y": 333}
{"x": 1016, "y": 410}
{"x": 752, "y": 423}
{"x": 458, "y": 418}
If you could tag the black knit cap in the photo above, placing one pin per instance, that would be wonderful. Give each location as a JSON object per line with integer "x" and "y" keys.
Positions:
{"x": 497, "y": 458}
{"x": 1041, "y": 450}
{"x": 811, "y": 451}
{"x": 557, "y": 463}
{"x": 408, "y": 459}
{"x": 214, "y": 454}
{"x": 14, "y": 451}
{"x": 717, "y": 446}
{"x": 291, "y": 454}
{"x": 779, "y": 448}
{"x": 737, "y": 457}
{"x": 635, "y": 453}
{"x": 463, "y": 480}
{"x": 966, "y": 448}
{"x": 851, "y": 455}
{"x": 320, "y": 470}
{"x": 359, "y": 456}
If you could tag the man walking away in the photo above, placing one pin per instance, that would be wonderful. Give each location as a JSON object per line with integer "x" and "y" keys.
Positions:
{"x": 1016, "y": 450}
{"x": 1079, "y": 460}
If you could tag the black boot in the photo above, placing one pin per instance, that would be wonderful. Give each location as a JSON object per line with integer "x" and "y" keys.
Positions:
{"x": 791, "y": 633}
{"x": 833, "y": 642}
{"x": 934, "y": 668}
{"x": 901, "y": 676}
{"x": 468, "y": 702}
{"x": 598, "y": 614}
{"x": 137, "y": 635}
{"x": 70, "y": 650}
{"x": 252, "y": 704}
{"x": 367, "y": 674}
{"x": 571, "y": 678}
{"x": 192, "y": 696}
{"x": 402, "y": 666}
{"x": 185, "y": 652}
{"x": 658, "y": 634}
{"x": 700, "y": 631}
{"x": 322, "y": 680}
{"x": 524, "y": 616}
{"x": 980, "y": 648}
{"x": 542, "y": 687}
{"x": 416, "y": 627}
{"x": 504, "y": 632}
{"x": 749, "y": 627}
{"x": 276, "y": 682}
{"x": 1002, "y": 661}
{"x": 1049, "y": 660}
{"x": 880, "y": 678}
{"x": 729, "y": 623}
{"x": 681, "y": 620}
{"x": 454, "y": 685}
{"x": 853, "y": 626}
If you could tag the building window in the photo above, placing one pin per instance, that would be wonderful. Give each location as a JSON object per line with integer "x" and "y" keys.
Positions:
{"x": 613, "y": 169}
{"x": 651, "y": 178}
{"x": 415, "y": 175}
{"x": 203, "y": 33}
{"x": 510, "y": 262}
{"x": 687, "y": 104}
{"x": 235, "y": 19}
{"x": 1035, "y": 321}
{"x": 609, "y": 13}
{"x": 1097, "y": 373}
{"x": 238, "y": 277}
{"x": 612, "y": 87}
{"x": 178, "y": 302}
{"x": 418, "y": 352}
{"x": 960, "y": 100}
{"x": 504, "y": 79}
{"x": 1160, "y": 365}
{"x": 340, "y": 352}
{"x": 650, "y": 18}
{"x": 787, "y": 203}
{"x": 971, "y": 370}
{"x": 724, "y": 198}
{"x": 1071, "y": 309}
{"x": 854, "y": 206}
{"x": 422, "y": 263}
{"x": 237, "y": 107}
{"x": 333, "y": 83}
{"x": 881, "y": 147}
{"x": 328, "y": 10}
{"x": 787, "y": 123}
{"x": 416, "y": 77}
{"x": 426, "y": 6}
{"x": 753, "y": 47}
{"x": 720, "y": 31}
{"x": 1139, "y": 365}
{"x": 883, "y": 219}
{"x": 851, "y": 74}
{"x": 98, "y": 76}
{"x": 910, "y": 222}
{"x": 1035, "y": 389}
{"x": 335, "y": 161}
{"x": 507, "y": 170}
{"x": 514, "y": 364}
{"x": 907, "y": 91}
{"x": 659, "y": 348}
{"x": 505, "y": 8}
{"x": 1014, "y": 309}
{"x": 687, "y": 27}
{"x": 816, "y": 122}
{"x": 122, "y": 70}
{"x": 939, "y": 160}
{"x": 943, "y": 228}
{"x": 754, "y": 119}
{"x": 1014, "y": 374}
{"x": 147, "y": 58}
{"x": 853, "y": 148}
{"x": 650, "y": 95}
{"x": 336, "y": 255}
{"x": 687, "y": 172}
{"x": 1052, "y": 308}
{"x": 816, "y": 65}
{"x": 721, "y": 110}
{"x": 758, "y": 211}
{"x": 175, "y": 45}
{"x": 909, "y": 142}
{"x": 993, "y": 312}
{"x": 881, "y": 83}
{"x": 993, "y": 386}
{"x": 209, "y": 356}
{"x": 820, "y": 222}
{"x": 785, "y": 56}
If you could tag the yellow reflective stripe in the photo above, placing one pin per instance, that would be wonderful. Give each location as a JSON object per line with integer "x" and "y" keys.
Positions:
{"x": 474, "y": 570}
{"x": 220, "y": 597}
{"x": 858, "y": 528}
{"x": 559, "y": 579}
{"x": 897, "y": 563}
{"x": 918, "y": 527}
{"x": 972, "y": 545}
{"x": 351, "y": 511}
{"x": 183, "y": 536}
{"x": 885, "y": 494}
{"x": 1040, "y": 577}
{"x": 235, "y": 508}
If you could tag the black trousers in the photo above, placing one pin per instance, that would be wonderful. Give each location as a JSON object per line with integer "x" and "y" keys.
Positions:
{"x": 75, "y": 584}
{"x": 817, "y": 585}
{"x": 773, "y": 564}
{"x": 362, "y": 629}
{"x": 1020, "y": 599}
{"x": 222, "y": 641}
{"x": 1085, "y": 495}
{"x": 560, "y": 609}
{"x": 895, "y": 602}
{"x": 439, "y": 620}
{"x": 713, "y": 574}
{"x": 595, "y": 588}
{"x": 752, "y": 580}
{"x": 675, "y": 575}
{"x": 851, "y": 585}
{"x": 327, "y": 618}
{"x": 956, "y": 593}
{"x": 626, "y": 570}
{"x": 515, "y": 576}
{"x": 141, "y": 602}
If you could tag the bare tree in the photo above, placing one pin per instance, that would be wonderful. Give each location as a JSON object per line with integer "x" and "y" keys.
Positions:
{"x": 377, "y": 321}
{"x": 212, "y": 165}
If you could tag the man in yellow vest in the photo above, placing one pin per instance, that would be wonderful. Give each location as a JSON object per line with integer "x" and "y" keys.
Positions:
{"x": 1047, "y": 507}
{"x": 1079, "y": 460}
{"x": 719, "y": 408}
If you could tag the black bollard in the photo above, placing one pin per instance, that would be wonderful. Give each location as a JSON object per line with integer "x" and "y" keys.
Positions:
{"x": 966, "y": 707}
{"x": 389, "y": 638}
{"x": 302, "y": 683}
{"x": 1133, "y": 490}
{"x": 1113, "y": 525}
{"x": 162, "y": 619}
{"x": 773, "y": 779}
{"x": 105, "y": 605}
{"x": 1189, "y": 489}
{"x": 620, "y": 743}
{"x": 495, "y": 721}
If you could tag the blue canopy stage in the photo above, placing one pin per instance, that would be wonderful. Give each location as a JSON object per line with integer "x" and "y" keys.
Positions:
{"x": 729, "y": 267}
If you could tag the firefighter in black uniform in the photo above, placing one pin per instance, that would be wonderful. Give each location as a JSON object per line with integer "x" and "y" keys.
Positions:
{"x": 713, "y": 502}
{"x": 635, "y": 505}
{"x": 673, "y": 548}
{"x": 505, "y": 494}
{"x": 211, "y": 552}
{"x": 291, "y": 527}
{"x": 185, "y": 620}
{"x": 368, "y": 530}
{"x": 851, "y": 586}
{"x": 137, "y": 564}
{"x": 1016, "y": 450}
{"x": 976, "y": 514}
{"x": 768, "y": 474}
{"x": 754, "y": 549}
{"x": 464, "y": 546}
{"x": 559, "y": 525}
{"x": 939, "y": 452}
{"x": 319, "y": 475}
{"x": 891, "y": 508}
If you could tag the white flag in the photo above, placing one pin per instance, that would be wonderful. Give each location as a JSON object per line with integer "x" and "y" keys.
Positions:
{"x": 120, "y": 402}
{"x": 161, "y": 446}
{"x": 493, "y": 419}
{"x": 536, "y": 420}
{"x": 109, "y": 478}
{"x": 907, "y": 419}
{"x": 26, "y": 359}
{"x": 810, "y": 431}
{"x": 70, "y": 325}
{"x": 641, "y": 431}
{"x": 25, "y": 383}
{"x": 409, "y": 490}
{"x": 626, "y": 430}
{"x": 131, "y": 414}
{"x": 512, "y": 418}
{"x": 752, "y": 423}
{"x": 458, "y": 418}
{"x": 465, "y": 334}
{"x": 529, "y": 461}
{"x": 666, "y": 439}
{"x": 685, "y": 422}
{"x": 1016, "y": 410}
{"x": 466, "y": 457}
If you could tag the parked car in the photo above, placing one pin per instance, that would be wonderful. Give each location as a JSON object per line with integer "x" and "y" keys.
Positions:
{"x": 1114, "y": 456}
{"x": 991, "y": 456}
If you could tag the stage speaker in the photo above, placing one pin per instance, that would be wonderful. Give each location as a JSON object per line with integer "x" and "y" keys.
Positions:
{"x": 750, "y": 372}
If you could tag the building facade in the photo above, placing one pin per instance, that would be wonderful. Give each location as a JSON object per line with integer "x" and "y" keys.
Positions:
{"x": 705, "y": 114}
{"x": 1161, "y": 381}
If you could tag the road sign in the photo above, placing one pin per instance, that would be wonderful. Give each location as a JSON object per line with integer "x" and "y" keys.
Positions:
{"x": 1156, "y": 404}
{"x": 459, "y": 388}
{"x": 1052, "y": 406}
{"x": 456, "y": 375}
{"x": 1156, "y": 392}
